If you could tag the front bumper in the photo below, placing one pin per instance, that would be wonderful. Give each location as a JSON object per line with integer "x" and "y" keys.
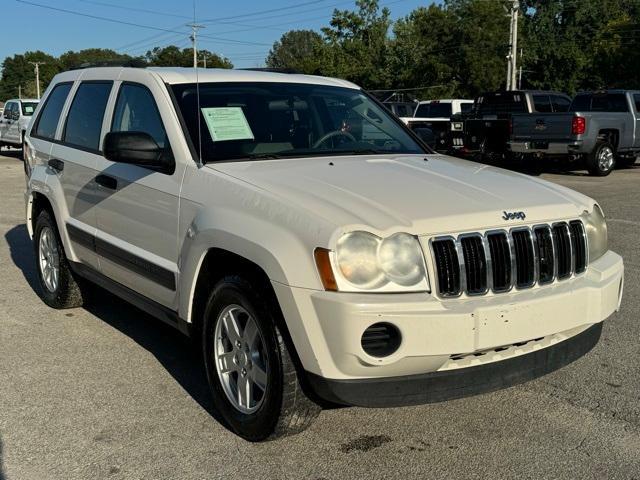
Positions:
{"x": 444, "y": 334}
{"x": 449, "y": 385}
{"x": 550, "y": 148}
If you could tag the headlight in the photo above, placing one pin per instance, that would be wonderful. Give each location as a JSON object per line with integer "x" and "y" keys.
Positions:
{"x": 596, "y": 227}
{"x": 366, "y": 262}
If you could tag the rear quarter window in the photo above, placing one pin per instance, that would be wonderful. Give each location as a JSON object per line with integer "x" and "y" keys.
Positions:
{"x": 47, "y": 121}
{"x": 84, "y": 121}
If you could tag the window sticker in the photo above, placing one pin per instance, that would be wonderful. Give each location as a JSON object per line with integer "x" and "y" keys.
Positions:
{"x": 227, "y": 123}
{"x": 28, "y": 109}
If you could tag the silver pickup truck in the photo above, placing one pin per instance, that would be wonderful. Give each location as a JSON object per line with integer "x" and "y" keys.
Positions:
{"x": 602, "y": 128}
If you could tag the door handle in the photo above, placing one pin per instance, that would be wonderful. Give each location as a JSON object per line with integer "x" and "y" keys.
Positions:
{"x": 107, "y": 181}
{"x": 57, "y": 165}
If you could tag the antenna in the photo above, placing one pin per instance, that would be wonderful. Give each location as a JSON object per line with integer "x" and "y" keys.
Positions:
{"x": 194, "y": 29}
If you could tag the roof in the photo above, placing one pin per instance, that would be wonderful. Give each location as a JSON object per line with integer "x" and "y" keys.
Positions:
{"x": 22, "y": 100}
{"x": 175, "y": 75}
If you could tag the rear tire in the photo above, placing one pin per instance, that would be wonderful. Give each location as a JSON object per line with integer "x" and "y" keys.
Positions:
{"x": 59, "y": 288}
{"x": 232, "y": 360}
{"x": 602, "y": 160}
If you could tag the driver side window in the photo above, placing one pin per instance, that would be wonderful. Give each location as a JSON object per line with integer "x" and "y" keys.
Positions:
{"x": 136, "y": 111}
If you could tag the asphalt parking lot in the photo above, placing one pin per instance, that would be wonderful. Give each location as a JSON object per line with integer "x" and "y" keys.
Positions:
{"x": 108, "y": 392}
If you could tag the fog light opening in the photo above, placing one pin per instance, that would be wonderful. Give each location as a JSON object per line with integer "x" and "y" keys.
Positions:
{"x": 381, "y": 340}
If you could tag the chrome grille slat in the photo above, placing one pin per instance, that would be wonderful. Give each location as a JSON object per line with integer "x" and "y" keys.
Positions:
{"x": 499, "y": 260}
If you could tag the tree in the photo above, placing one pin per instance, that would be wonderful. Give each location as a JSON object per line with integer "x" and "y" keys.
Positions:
{"x": 298, "y": 50}
{"x": 356, "y": 45}
{"x": 173, "y": 56}
{"x": 92, "y": 56}
{"x": 18, "y": 74}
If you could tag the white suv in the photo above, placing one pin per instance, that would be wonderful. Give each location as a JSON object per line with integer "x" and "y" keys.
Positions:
{"x": 14, "y": 121}
{"x": 309, "y": 241}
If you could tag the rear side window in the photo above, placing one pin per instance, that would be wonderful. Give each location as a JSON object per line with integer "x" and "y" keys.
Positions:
{"x": 466, "y": 107}
{"x": 582, "y": 103}
{"x": 47, "y": 121}
{"x": 600, "y": 102}
{"x": 136, "y": 111}
{"x": 84, "y": 121}
{"x": 541, "y": 103}
{"x": 560, "y": 103}
{"x": 636, "y": 100}
{"x": 28, "y": 108}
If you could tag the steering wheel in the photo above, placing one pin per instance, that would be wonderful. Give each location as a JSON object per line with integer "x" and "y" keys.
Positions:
{"x": 335, "y": 133}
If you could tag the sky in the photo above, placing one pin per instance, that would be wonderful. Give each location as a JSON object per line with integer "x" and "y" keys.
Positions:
{"x": 241, "y": 30}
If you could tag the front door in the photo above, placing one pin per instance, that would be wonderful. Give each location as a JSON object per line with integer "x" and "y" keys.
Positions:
{"x": 6, "y": 120}
{"x": 137, "y": 208}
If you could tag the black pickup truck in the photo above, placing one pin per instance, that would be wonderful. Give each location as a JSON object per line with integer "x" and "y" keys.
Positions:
{"x": 487, "y": 129}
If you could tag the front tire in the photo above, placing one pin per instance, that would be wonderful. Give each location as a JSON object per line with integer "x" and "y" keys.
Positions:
{"x": 251, "y": 374}
{"x": 58, "y": 287}
{"x": 602, "y": 160}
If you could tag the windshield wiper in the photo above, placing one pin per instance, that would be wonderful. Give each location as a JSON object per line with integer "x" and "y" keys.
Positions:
{"x": 262, "y": 156}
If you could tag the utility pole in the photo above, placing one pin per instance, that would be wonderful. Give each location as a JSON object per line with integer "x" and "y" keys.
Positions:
{"x": 20, "y": 92}
{"x": 512, "y": 60}
{"x": 204, "y": 61}
{"x": 194, "y": 41}
{"x": 37, "y": 70}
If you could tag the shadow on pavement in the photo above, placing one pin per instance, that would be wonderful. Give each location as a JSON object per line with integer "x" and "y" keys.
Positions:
{"x": 175, "y": 352}
{"x": 21, "y": 250}
{"x": 12, "y": 153}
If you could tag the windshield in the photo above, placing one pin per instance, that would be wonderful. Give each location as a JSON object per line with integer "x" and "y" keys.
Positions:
{"x": 271, "y": 120}
{"x": 434, "y": 110}
{"x": 28, "y": 108}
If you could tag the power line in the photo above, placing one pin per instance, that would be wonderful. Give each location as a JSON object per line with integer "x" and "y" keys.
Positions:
{"x": 251, "y": 14}
{"x": 132, "y": 24}
{"x": 134, "y": 9}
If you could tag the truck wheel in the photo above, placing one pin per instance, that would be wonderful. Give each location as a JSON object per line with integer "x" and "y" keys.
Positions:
{"x": 58, "y": 286}
{"x": 601, "y": 161}
{"x": 251, "y": 375}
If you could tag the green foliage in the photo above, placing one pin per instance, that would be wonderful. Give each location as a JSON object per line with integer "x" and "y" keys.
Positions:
{"x": 298, "y": 50}
{"x": 458, "y": 48}
{"x": 18, "y": 73}
{"x": 173, "y": 56}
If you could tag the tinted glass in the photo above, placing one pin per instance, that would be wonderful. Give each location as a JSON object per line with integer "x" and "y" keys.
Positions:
{"x": 541, "y": 103}
{"x": 434, "y": 110}
{"x": 8, "y": 108}
{"x": 28, "y": 108}
{"x": 581, "y": 103}
{"x": 136, "y": 111}
{"x": 50, "y": 114}
{"x": 501, "y": 102}
{"x": 84, "y": 121}
{"x": 466, "y": 107}
{"x": 262, "y": 119}
{"x": 636, "y": 99}
{"x": 560, "y": 103}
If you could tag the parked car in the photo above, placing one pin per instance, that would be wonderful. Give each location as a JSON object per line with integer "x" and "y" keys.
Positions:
{"x": 442, "y": 118}
{"x": 487, "y": 129}
{"x": 14, "y": 121}
{"x": 309, "y": 259}
{"x": 601, "y": 128}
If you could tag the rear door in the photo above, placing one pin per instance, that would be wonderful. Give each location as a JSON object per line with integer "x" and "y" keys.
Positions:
{"x": 137, "y": 209}
{"x": 6, "y": 120}
{"x": 78, "y": 151}
{"x": 636, "y": 104}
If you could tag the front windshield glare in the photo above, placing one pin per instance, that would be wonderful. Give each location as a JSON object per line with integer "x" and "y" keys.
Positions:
{"x": 270, "y": 120}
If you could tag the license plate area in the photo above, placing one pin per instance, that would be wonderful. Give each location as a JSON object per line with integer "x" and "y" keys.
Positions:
{"x": 540, "y": 145}
{"x": 518, "y": 322}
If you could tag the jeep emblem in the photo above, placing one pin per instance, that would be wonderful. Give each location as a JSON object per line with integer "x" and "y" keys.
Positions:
{"x": 513, "y": 216}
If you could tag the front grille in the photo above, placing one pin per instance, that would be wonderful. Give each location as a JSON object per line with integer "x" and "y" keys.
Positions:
{"x": 447, "y": 266}
{"x": 500, "y": 260}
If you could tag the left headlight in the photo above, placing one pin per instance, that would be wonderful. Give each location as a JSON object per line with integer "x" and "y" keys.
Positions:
{"x": 597, "y": 236}
{"x": 364, "y": 262}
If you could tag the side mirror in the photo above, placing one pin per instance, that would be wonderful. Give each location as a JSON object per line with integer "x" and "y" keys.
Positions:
{"x": 137, "y": 148}
{"x": 15, "y": 116}
{"x": 427, "y": 136}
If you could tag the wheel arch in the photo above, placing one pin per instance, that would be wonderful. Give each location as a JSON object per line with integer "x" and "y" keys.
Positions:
{"x": 610, "y": 135}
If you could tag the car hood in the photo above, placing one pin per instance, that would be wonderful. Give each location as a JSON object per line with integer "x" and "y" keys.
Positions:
{"x": 419, "y": 194}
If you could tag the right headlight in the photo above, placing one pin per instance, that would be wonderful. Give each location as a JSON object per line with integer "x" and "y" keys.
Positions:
{"x": 596, "y": 227}
{"x": 364, "y": 262}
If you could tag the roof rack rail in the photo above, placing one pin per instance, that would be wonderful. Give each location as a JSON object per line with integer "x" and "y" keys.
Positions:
{"x": 272, "y": 70}
{"x": 133, "y": 63}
